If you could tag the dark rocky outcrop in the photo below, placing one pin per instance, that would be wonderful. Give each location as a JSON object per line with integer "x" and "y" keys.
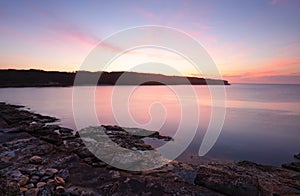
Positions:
{"x": 247, "y": 178}
{"x": 40, "y": 78}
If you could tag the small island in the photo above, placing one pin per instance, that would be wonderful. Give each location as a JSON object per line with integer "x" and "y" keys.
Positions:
{"x": 41, "y": 158}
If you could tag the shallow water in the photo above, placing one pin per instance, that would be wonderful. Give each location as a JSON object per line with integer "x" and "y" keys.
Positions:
{"x": 261, "y": 123}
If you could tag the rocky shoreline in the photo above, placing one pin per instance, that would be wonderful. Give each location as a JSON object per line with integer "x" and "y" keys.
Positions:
{"x": 38, "y": 158}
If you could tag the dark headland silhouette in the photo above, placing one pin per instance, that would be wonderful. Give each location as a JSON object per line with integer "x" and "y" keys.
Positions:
{"x": 40, "y": 78}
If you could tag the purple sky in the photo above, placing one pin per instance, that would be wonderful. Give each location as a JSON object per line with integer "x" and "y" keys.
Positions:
{"x": 250, "y": 41}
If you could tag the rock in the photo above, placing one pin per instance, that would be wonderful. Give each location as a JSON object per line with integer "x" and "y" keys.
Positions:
{"x": 64, "y": 130}
{"x": 292, "y": 166}
{"x": 3, "y": 123}
{"x": 59, "y": 181}
{"x": 34, "y": 179}
{"x": 115, "y": 174}
{"x": 64, "y": 173}
{"x": 51, "y": 184}
{"x": 3, "y": 164}
{"x": 40, "y": 184}
{"x": 23, "y": 189}
{"x": 32, "y": 192}
{"x": 44, "y": 191}
{"x": 36, "y": 160}
{"x": 44, "y": 149}
{"x": 77, "y": 134}
{"x": 246, "y": 178}
{"x": 12, "y": 186}
{"x": 60, "y": 189}
{"x": 53, "y": 138}
{"x": 297, "y": 156}
{"x": 28, "y": 169}
{"x": 84, "y": 153}
{"x": 23, "y": 180}
{"x": 29, "y": 186}
{"x": 40, "y": 172}
{"x": 50, "y": 171}
{"x": 186, "y": 167}
{"x": 16, "y": 175}
{"x": 45, "y": 178}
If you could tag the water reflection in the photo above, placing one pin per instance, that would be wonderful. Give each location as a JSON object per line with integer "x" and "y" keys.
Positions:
{"x": 262, "y": 121}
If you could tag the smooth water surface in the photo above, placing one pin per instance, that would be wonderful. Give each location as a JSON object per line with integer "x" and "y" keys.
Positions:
{"x": 262, "y": 122}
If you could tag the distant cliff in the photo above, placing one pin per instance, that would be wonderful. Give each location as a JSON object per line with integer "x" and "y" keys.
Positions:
{"x": 40, "y": 78}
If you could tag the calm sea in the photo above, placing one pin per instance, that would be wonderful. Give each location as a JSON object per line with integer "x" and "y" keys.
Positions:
{"x": 262, "y": 122}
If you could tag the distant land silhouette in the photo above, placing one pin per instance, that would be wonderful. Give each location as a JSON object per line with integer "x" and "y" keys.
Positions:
{"x": 40, "y": 78}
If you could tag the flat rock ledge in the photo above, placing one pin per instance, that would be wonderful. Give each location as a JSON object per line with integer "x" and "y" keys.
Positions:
{"x": 38, "y": 158}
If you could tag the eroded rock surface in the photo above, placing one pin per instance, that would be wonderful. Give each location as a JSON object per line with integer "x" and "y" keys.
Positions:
{"x": 247, "y": 178}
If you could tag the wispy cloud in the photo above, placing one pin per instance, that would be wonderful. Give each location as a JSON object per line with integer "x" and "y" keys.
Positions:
{"x": 274, "y": 2}
{"x": 143, "y": 12}
{"x": 269, "y": 79}
{"x": 62, "y": 29}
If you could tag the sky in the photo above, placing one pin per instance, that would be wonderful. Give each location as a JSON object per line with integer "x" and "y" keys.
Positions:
{"x": 255, "y": 41}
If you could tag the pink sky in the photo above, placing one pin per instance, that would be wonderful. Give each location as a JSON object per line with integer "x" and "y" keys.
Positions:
{"x": 250, "y": 42}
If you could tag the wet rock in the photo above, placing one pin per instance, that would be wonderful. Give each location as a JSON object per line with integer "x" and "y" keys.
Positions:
{"x": 32, "y": 192}
{"x": 36, "y": 160}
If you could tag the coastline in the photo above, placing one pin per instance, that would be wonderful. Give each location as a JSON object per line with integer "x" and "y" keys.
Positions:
{"x": 40, "y": 78}
{"x": 42, "y": 159}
